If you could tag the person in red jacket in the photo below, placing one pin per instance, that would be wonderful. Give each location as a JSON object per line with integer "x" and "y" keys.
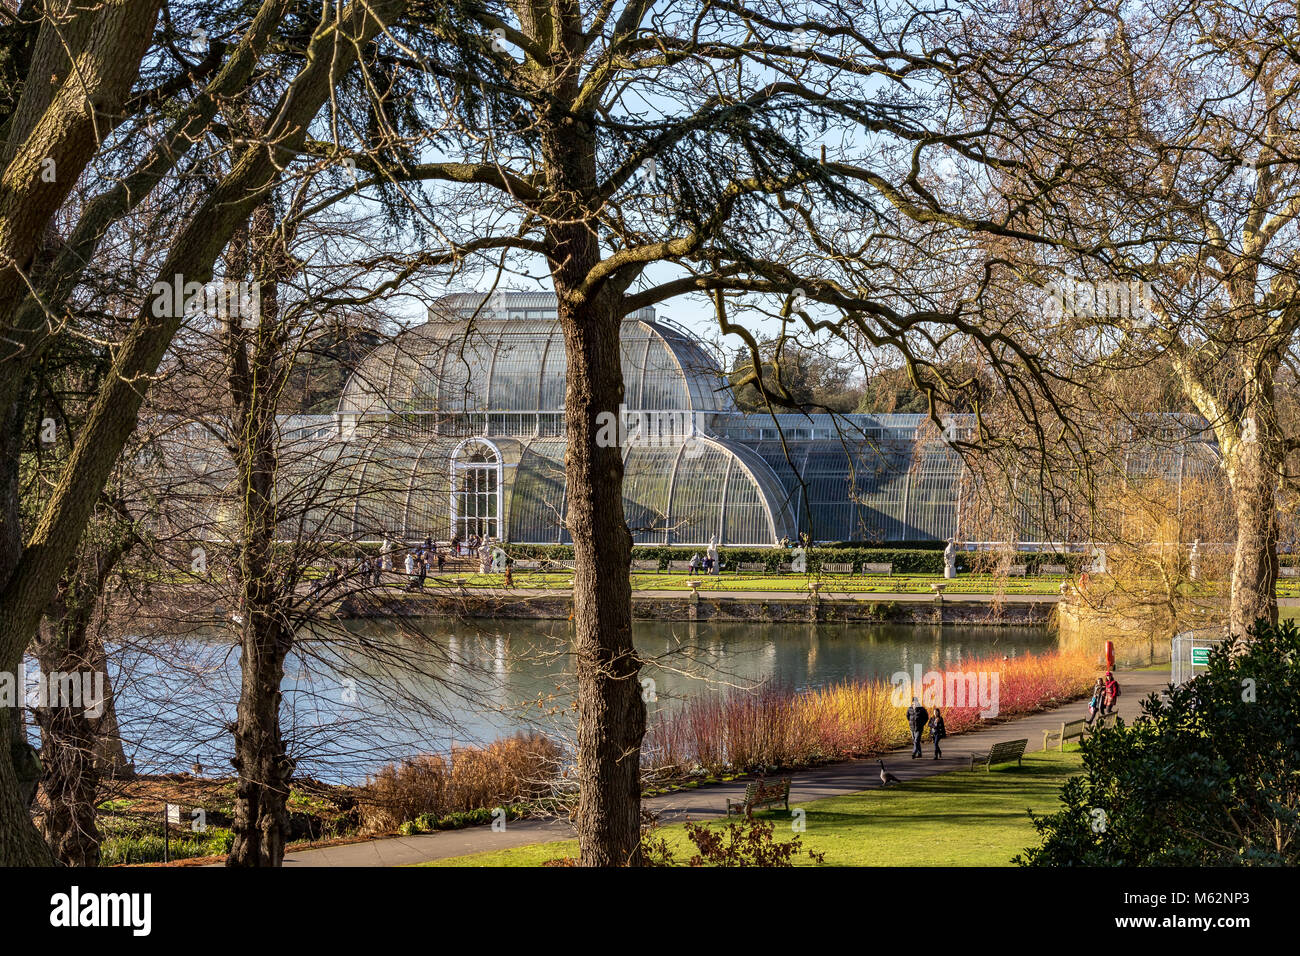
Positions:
{"x": 1112, "y": 694}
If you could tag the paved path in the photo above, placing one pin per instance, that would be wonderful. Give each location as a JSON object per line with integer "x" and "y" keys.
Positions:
{"x": 849, "y": 776}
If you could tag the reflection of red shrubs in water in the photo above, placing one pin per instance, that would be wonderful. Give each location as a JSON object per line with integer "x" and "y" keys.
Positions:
{"x": 778, "y": 726}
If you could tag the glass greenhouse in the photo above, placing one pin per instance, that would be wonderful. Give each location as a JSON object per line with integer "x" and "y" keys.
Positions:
{"x": 459, "y": 428}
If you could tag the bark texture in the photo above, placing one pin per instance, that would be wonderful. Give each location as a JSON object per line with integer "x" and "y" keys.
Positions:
{"x": 611, "y": 712}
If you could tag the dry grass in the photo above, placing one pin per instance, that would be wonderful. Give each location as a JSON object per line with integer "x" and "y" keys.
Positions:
{"x": 511, "y": 770}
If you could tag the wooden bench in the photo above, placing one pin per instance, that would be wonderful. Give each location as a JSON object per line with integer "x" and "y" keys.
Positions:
{"x": 549, "y": 565}
{"x": 645, "y": 564}
{"x": 1070, "y": 730}
{"x": 760, "y": 794}
{"x": 878, "y": 569}
{"x": 1053, "y": 569}
{"x": 527, "y": 564}
{"x": 679, "y": 566}
{"x": 1004, "y": 752}
{"x": 1017, "y": 570}
{"x": 1288, "y": 572}
{"x": 752, "y": 567}
{"x": 837, "y": 567}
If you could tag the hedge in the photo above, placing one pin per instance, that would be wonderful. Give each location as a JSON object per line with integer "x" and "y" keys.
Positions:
{"x": 927, "y": 558}
{"x": 904, "y": 560}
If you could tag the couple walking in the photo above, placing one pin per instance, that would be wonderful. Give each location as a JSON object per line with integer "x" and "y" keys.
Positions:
{"x": 1104, "y": 695}
{"x": 918, "y": 718}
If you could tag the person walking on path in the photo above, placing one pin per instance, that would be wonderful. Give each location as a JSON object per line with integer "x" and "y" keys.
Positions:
{"x": 423, "y": 565}
{"x": 1098, "y": 696}
{"x": 937, "y": 732}
{"x": 1112, "y": 694}
{"x": 917, "y": 718}
{"x": 509, "y": 575}
{"x": 442, "y": 560}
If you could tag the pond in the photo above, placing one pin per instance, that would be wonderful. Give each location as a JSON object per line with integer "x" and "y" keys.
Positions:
{"x": 394, "y": 689}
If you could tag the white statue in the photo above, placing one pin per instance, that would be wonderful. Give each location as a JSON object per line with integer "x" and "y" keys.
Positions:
{"x": 1194, "y": 561}
{"x": 713, "y": 553}
{"x": 950, "y": 559}
{"x": 1098, "y": 560}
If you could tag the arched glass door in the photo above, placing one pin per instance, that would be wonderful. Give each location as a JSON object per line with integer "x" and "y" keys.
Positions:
{"x": 476, "y": 491}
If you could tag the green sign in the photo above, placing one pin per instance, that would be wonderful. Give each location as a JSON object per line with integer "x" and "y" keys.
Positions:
{"x": 1200, "y": 655}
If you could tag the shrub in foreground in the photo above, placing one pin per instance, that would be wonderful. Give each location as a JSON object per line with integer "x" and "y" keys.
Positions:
{"x": 1208, "y": 776}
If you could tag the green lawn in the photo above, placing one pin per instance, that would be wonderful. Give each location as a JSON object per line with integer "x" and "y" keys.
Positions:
{"x": 859, "y": 583}
{"x": 952, "y": 819}
{"x": 877, "y": 583}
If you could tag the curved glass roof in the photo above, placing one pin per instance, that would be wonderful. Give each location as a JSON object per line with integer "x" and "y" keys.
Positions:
{"x": 518, "y": 365}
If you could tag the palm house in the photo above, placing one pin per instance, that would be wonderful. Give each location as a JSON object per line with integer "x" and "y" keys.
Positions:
{"x": 459, "y": 425}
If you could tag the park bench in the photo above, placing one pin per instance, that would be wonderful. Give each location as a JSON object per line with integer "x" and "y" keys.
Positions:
{"x": 761, "y": 794}
{"x": 1017, "y": 570}
{"x": 753, "y": 567}
{"x": 837, "y": 567}
{"x": 679, "y": 566}
{"x": 1004, "y": 752}
{"x": 527, "y": 564}
{"x": 1285, "y": 572}
{"x": 1053, "y": 569}
{"x": 878, "y": 569}
{"x": 557, "y": 565}
{"x": 1070, "y": 730}
{"x": 645, "y": 564}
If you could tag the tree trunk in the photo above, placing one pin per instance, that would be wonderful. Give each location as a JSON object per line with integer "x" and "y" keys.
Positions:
{"x": 1253, "y": 474}
{"x": 256, "y": 371}
{"x": 261, "y": 819}
{"x": 20, "y": 841}
{"x": 611, "y": 713}
{"x": 261, "y": 823}
{"x": 68, "y": 747}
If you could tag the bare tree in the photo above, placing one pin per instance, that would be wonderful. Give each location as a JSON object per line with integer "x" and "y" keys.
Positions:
{"x": 93, "y": 57}
{"x": 1151, "y": 155}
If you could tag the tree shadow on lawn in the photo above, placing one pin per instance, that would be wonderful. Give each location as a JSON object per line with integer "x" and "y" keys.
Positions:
{"x": 1003, "y": 785}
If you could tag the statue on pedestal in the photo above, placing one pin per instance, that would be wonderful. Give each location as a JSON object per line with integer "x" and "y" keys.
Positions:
{"x": 1098, "y": 560}
{"x": 713, "y": 554}
{"x": 1194, "y": 561}
{"x": 950, "y": 559}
